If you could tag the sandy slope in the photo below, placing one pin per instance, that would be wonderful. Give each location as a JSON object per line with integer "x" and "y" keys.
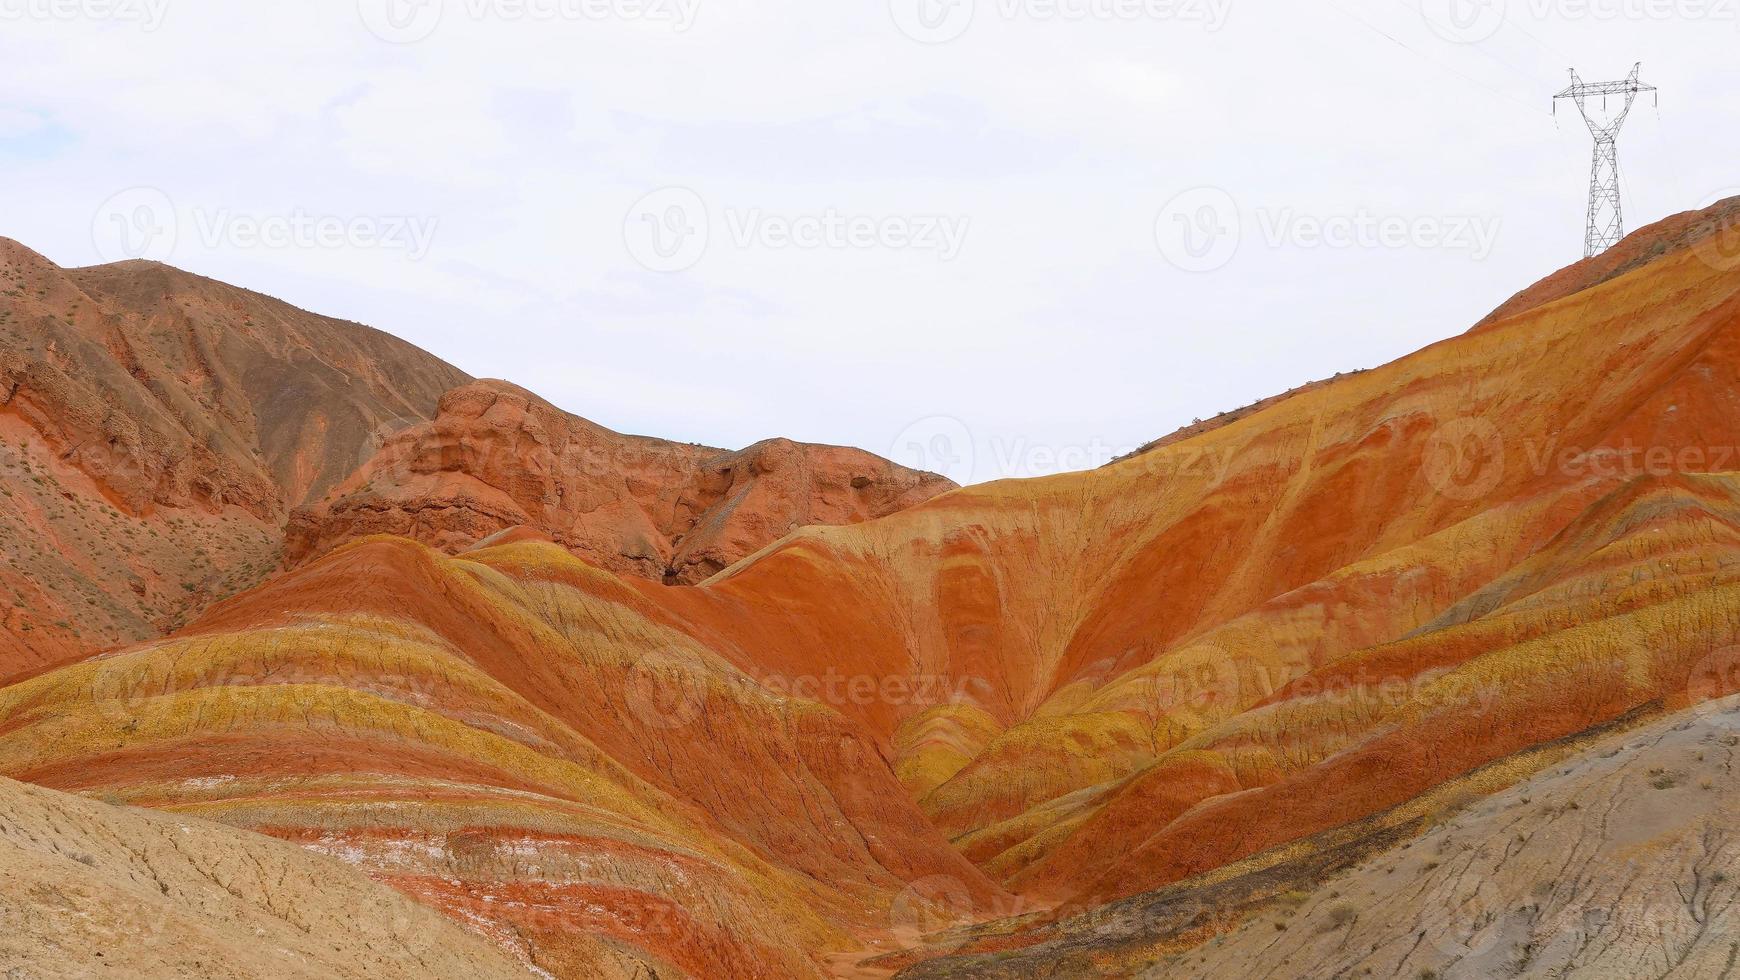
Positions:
{"x": 93, "y": 890}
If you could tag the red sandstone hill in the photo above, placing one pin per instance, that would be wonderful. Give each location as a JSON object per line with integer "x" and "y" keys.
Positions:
{"x": 159, "y": 429}
{"x": 498, "y": 457}
{"x": 1316, "y": 661}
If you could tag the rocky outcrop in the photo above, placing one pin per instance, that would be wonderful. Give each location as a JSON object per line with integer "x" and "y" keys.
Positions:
{"x": 497, "y": 456}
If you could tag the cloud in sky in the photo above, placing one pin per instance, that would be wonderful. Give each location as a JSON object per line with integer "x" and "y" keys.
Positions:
{"x": 1392, "y": 169}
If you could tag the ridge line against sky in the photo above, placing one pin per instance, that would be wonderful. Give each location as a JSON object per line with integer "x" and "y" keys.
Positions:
{"x": 1002, "y": 239}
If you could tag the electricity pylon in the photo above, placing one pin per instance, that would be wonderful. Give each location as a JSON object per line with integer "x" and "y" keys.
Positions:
{"x": 1606, "y": 224}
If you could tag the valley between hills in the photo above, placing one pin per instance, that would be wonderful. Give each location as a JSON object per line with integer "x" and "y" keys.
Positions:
{"x": 323, "y": 658}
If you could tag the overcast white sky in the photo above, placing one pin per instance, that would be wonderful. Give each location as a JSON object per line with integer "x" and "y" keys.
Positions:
{"x": 866, "y": 223}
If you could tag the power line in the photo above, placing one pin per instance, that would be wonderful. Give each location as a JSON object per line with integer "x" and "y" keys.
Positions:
{"x": 1531, "y": 77}
{"x": 1426, "y": 58}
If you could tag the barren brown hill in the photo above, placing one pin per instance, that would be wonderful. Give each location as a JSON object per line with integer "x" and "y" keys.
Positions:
{"x": 155, "y": 429}
{"x": 497, "y": 457}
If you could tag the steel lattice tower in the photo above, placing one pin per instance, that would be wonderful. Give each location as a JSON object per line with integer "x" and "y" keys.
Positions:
{"x": 1606, "y": 223}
